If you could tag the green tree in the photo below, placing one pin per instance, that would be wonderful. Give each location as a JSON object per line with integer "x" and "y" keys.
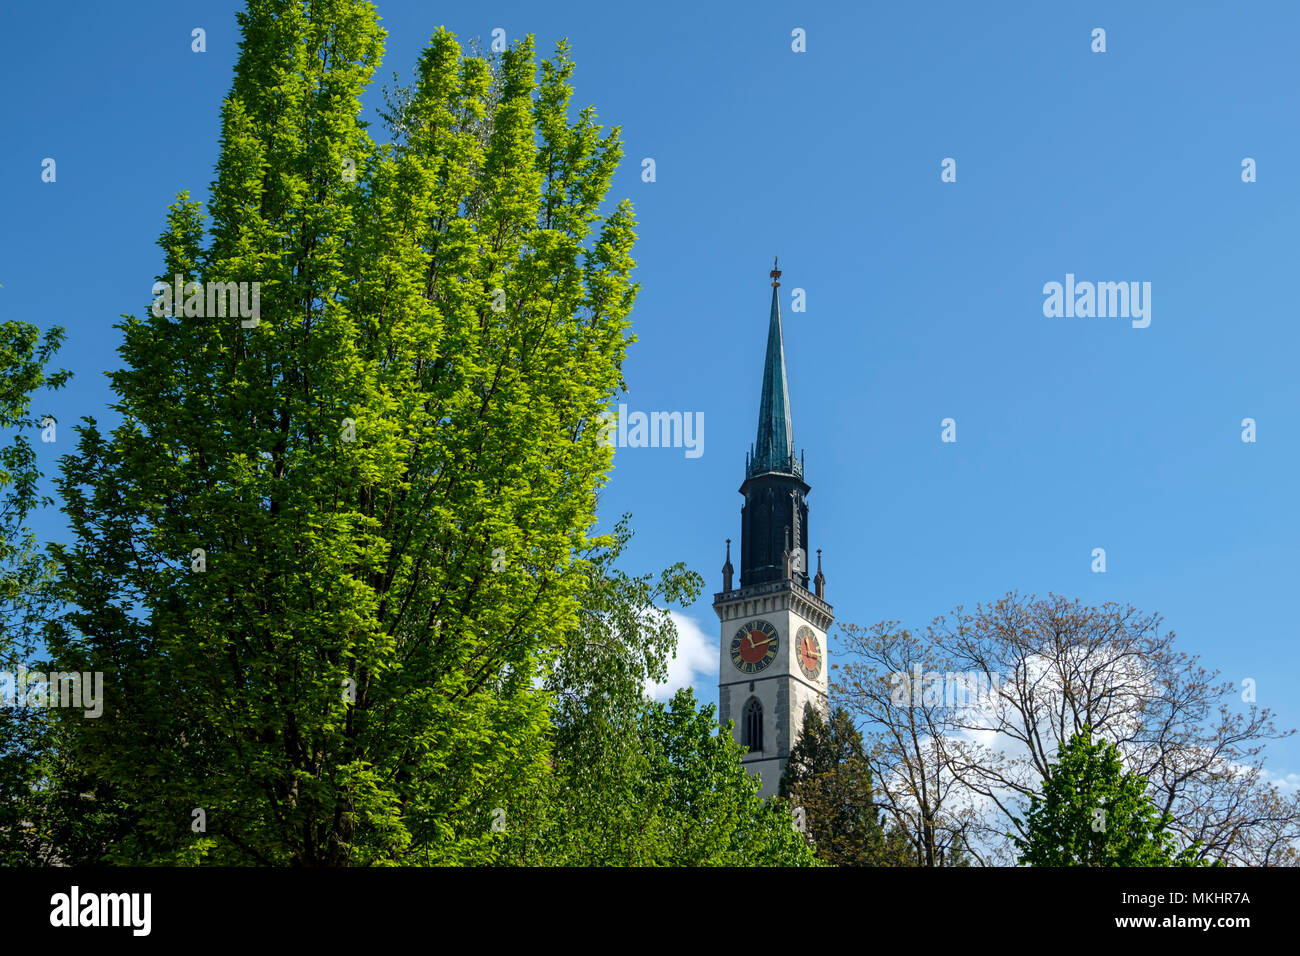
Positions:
{"x": 827, "y": 776}
{"x": 1093, "y": 813}
{"x": 671, "y": 792}
{"x": 332, "y": 551}
{"x": 633, "y": 781}
{"x": 720, "y": 819}
{"x": 27, "y": 596}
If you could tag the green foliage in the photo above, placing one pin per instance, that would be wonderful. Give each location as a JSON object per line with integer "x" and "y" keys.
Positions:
{"x": 27, "y": 597}
{"x": 337, "y": 562}
{"x": 664, "y": 789}
{"x": 635, "y": 782}
{"x": 822, "y": 747}
{"x": 828, "y": 777}
{"x": 720, "y": 820}
{"x": 1094, "y": 813}
{"x": 392, "y": 475}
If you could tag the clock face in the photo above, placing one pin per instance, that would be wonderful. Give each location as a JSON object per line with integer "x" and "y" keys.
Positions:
{"x": 754, "y": 647}
{"x": 808, "y": 652}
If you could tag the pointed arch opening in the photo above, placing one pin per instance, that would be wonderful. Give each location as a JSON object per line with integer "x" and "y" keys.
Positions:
{"x": 752, "y": 725}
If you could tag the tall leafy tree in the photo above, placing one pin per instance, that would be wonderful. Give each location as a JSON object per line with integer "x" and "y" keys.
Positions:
{"x": 1092, "y": 812}
{"x": 333, "y": 550}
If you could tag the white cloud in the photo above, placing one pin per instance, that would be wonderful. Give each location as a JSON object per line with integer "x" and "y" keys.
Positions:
{"x": 1286, "y": 782}
{"x": 696, "y": 657}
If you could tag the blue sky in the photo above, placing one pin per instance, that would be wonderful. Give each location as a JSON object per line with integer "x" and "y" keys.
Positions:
{"x": 924, "y": 298}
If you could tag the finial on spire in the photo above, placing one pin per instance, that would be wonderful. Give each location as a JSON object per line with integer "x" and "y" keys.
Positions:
{"x": 727, "y": 569}
{"x": 775, "y": 273}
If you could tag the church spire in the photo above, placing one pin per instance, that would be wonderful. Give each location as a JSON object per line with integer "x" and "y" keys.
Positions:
{"x": 774, "y": 520}
{"x": 774, "y": 448}
{"x": 772, "y": 663}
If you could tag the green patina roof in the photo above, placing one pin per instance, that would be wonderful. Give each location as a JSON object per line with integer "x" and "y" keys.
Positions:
{"x": 774, "y": 449}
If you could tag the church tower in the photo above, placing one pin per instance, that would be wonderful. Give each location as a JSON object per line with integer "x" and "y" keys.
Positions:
{"x": 773, "y": 657}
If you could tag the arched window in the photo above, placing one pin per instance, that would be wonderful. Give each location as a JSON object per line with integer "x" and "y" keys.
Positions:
{"x": 752, "y": 724}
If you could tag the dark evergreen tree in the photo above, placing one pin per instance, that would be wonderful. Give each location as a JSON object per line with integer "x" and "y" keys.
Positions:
{"x": 827, "y": 779}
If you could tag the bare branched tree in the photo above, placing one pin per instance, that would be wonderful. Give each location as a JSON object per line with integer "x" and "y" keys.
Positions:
{"x": 907, "y": 732}
{"x": 1045, "y": 669}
